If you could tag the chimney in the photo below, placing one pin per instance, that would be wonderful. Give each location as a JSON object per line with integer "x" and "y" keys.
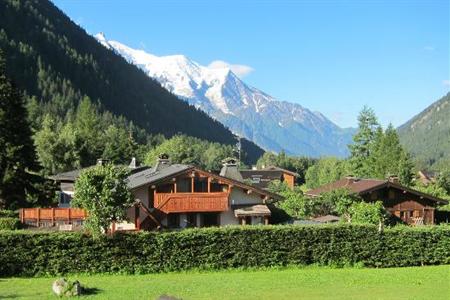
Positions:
{"x": 133, "y": 164}
{"x": 102, "y": 161}
{"x": 350, "y": 179}
{"x": 394, "y": 179}
{"x": 230, "y": 169}
{"x": 162, "y": 162}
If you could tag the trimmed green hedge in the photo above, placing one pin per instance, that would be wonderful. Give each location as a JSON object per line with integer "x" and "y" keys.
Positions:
{"x": 28, "y": 254}
{"x": 8, "y": 223}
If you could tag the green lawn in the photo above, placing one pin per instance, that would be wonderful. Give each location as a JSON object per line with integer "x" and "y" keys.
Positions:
{"x": 292, "y": 283}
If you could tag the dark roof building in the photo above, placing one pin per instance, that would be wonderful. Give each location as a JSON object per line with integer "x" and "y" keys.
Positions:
{"x": 409, "y": 205}
{"x": 263, "y": 177}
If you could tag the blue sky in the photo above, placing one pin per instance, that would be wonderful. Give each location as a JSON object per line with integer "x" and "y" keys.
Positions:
{"x": 329, "y": 56}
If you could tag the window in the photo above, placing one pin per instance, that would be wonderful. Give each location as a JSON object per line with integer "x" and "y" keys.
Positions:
{"x": 218, "y": 187}
{"x": 200, "y": 185}
{"x": 210, "y": 219}
{"x": 64, "y": 199}
{"x": 191, "y": 220}
{"x": 184, "y": 185}
{"x": 248, "y": 220}
{"x": 165, "y": 188}
{"x": 173, "y": 220}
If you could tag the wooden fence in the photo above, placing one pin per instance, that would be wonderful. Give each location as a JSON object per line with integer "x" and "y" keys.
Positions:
{"x": 51, "y": 215}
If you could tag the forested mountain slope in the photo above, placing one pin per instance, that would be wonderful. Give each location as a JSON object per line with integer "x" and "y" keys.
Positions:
{"x": 50, "y": 57}
{"x": 427, "y": 135}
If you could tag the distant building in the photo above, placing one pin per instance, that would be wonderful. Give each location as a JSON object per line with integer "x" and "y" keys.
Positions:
{"x": 426, "y": 177}
{"x": 263, "y": 177}
{"x": 411, "y": 206}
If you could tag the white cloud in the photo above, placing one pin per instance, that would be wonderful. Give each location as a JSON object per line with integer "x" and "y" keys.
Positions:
{"x": 446, "y": 82}
{"x": 429, "y": 48}
{"x": 239, "y": 70}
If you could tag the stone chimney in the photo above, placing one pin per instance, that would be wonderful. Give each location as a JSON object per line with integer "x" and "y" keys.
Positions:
{"x": 162, "y": 162}
{"x": 230, "y": 169}
{"x": 394, "y": 179}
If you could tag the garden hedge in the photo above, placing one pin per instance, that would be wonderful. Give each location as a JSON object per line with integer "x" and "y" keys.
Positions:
{"x": 25, "y": 253}
{"x": 8, "y": 223}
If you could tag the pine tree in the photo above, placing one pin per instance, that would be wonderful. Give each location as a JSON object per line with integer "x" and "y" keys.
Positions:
{"x": 387, "y": 154}
{"x": 16, "y": 151}
{"x": 364, "y": 142}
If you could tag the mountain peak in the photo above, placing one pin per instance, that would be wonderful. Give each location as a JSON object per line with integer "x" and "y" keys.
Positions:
{"x": 247, "y": 111}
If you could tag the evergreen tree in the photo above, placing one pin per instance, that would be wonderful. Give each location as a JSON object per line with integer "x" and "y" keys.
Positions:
{"x": 16, "y": 151}
{"x": 405, "y": 168}
{"x": 364, "y": 142}
{"x": 389, "y": 158}
{"x": 57, "y": 146}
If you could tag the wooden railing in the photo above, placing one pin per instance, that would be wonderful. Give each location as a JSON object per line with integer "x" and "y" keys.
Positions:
{"x": 191, "y": 202}
{"x": 51, "y": 214}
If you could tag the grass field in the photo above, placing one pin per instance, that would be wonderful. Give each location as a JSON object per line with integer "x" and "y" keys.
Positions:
{"x": 292, "y": 283}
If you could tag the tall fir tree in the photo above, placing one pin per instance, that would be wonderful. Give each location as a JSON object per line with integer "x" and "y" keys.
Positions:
{"x": 17, "y": 154}
{"x": 365, "y": 141}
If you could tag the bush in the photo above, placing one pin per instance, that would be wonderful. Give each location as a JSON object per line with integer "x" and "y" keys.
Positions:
{"x": 9, "y": 223}
{"x": 31, "y": 253}
{"x": 4, "y": 213}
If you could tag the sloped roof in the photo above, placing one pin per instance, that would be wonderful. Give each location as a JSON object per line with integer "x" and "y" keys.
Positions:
{"x": 353, "y": 185}
{"x": 254, "y": 210}
{"x": 151, "y": 176}
{"x": 74, "y": 174}
{"x": 154, "y": 174}
{"x": 274, "y": 168}
{"x": 67, "y": 176}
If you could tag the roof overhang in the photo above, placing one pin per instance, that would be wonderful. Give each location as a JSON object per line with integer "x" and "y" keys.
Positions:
{"x": 259, "y": 210}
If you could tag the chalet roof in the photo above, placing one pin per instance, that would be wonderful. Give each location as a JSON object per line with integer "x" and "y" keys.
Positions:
{"x": 274, "y": 168}
{"x": 74, "y": 174}
{"x": 67, "y": 176}
{"x": 269, "y": 172}
{"x": 254, "y": 210}
{"x": 354, "y": 185}
{"x": 363, "y": 186}
{"x": 265, "y": 175}
{"x": 153, "y": 175}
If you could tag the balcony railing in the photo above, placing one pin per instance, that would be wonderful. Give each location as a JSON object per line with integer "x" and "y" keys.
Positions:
{"x": 191, "y": 202}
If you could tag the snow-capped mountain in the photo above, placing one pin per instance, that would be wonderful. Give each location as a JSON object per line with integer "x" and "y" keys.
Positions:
{"x": 272, "y": 124}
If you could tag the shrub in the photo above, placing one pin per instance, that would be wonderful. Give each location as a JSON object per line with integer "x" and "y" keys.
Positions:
{"x": 31, "y": 253}
{"x": 9, "y": 223}
{"x": 4, "y": 213}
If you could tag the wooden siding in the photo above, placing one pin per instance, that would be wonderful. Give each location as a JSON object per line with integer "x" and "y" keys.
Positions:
{"x": 191, "y": 202}
{"x": 406, "y": 206}
{"x": 289, "y": 179}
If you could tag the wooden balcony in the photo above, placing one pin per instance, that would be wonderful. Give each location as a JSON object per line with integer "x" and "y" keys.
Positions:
{"x": 51, "y": 214}
{"x": 191, "y": 202}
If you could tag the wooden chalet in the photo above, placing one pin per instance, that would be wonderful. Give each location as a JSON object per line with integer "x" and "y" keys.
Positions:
{"x": 410, "y": 206}
{"x": 179, "y": 196}
{"x": 263, "y": 177}
{"x": 172, "y": 196}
